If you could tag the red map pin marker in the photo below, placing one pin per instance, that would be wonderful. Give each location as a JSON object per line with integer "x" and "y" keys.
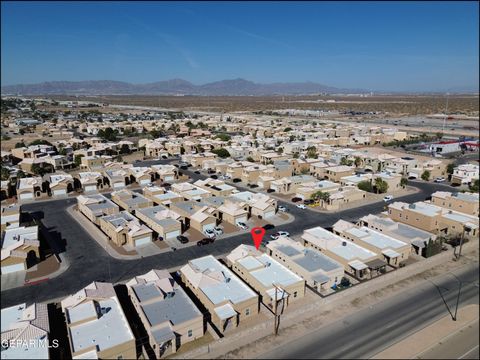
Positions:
{"x": 257, "y": 234}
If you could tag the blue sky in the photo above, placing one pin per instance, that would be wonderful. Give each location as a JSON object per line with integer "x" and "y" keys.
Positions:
{"x": 401, "y": 46}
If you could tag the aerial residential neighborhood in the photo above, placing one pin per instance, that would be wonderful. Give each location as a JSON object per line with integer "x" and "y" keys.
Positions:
{"x": 235, "y": 218}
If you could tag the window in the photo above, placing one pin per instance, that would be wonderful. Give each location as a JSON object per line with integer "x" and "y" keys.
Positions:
{"x": 190, "y": 333}
{"x": 295, "y": 294}
{"x": 247, "y": 312}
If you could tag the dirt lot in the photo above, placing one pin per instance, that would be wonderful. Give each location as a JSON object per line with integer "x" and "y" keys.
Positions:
{"x": 412, "y": 105}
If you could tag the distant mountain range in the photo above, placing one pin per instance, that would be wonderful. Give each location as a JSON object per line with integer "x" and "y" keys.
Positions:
{"x": 235, "y": 87}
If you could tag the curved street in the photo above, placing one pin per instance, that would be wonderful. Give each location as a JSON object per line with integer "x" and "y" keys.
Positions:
{"x": 89, "y": 261}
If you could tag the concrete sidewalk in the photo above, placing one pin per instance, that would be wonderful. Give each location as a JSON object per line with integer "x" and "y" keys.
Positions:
{"x": 427, "y": 338}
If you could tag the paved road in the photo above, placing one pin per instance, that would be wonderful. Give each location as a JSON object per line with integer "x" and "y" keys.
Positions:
{"x": 89, "y": 261}
{"x": 462, "y": 345}
{"x": 370, "y": 331}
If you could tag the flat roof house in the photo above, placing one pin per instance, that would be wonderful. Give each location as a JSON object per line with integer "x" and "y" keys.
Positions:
{"x": 161, "y": 196}
{"x": 356, "y": 259}
{"x": 416, "y": 237}
{"x": 318, "y": 270}
{"x": 96, "y": 325}
{"x": 117, "y": 178}
{"x": 266, "y": 276}
{"x": 96, "y": 206}
{"x": 20, "y": 248}
{"x": 60, "y": 184}
{"x": 10, "y": 216}
{"x": 467, "y": 203}
{"x": 224, "y": 295}
{"x": 215, "y": 187}
{"x": 141, "y": 175}
{"x": 29, "y": 188}
{"x": 162, "y": 220}
{"x": 167, "y": 313}
{"x": 91, "y": 181}
{"x": 130, "y": 200}
{"x": 199, "y": 216}
{"x": 465, "y": 174}
{"x": 260, "y": 205}
{"x": 434, "y": 219}
{"x": 125, "y": 229}
{"x": 393, "y": 250}
{"x": 29, "y": 325}
{"x": 166, "y": 172}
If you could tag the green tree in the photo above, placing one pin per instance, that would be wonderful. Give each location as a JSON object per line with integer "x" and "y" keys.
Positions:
{"x": 475, "y": 186}
{"x": 182, "y": 150}
{"x": 296, "y": 155}
{"x": 357, "y": 161}
{"x": 304, "y": 171}
{"x": 20, "y": 174}
{"x": 320, "y": 196}
{"x": 426, "y": 175}
{"x": 312, "y": 152}
{"x": 403, "y": 182}
{"x": 439, "y": 135}
{"x": 381, "y": 185}
{"x": 345, "y": 161}
{"x": 108, "y": 134}
{"x": 223, "y": 137}
{"x": 279, "y": 150}
{"x": 20, "y": 145}
{"x": 250, "y": 159}
{"x": 288, "y": 129}
{"x": 41, "y": 170}
{"x": 40, "y": 142}
{"x": 222, "y": 153}
{"x": 365, "y": 186}
{"x": 450, "y": 168}
{"x": 5, "y": 174}
{"x": 77, "y": 160}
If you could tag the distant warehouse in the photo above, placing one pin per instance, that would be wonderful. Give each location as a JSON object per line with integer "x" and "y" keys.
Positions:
{"x": 27, "y": 122}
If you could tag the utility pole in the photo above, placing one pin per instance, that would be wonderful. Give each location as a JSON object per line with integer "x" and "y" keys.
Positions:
{"x": 465, "y": 229}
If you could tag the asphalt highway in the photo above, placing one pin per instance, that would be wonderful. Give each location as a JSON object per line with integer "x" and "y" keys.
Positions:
{"x": 372, "y": 330}
{"x": 89, "y": 261}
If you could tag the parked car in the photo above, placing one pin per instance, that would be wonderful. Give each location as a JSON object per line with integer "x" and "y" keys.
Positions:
{"x": 197, "y": 172}
{"x": 182, "y": 239}
{"x": 278, "y": 234}
{"x": 296, "y": 199}
{"x": 388, "y": 198}
{"x": 301, "y": 206}
{"x": 205, "y": 241}
{"x": 210, "y": 171}
{"x": 210, "y": 233}
{"x": 252, "y": 186}
{"x": 268, "y": 226}
{"x": 237, "y": 180}
{"x": 440, "y": 179}
{"x": 214, "y": 176}
{"x": 242, "y": 225}
{"x": 308, "y": 202}
{"x": 282, "y": 208}
{"x": 218, "y": 230}
{"x": 270, "y": 190}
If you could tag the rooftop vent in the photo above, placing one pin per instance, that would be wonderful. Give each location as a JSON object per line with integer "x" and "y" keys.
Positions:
{"x": 411, "y": 206}
{"x": 344, "y": 243}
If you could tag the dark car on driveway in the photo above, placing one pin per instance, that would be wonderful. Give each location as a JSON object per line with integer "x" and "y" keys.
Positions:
{"x": 214, "y": 176}
{"x": 182, "y": 239}
{"x": 236, "y": 180}
{"x": 268, "y": 226}
{"x": 270, "y": 190}
{"x": 296, "y": 199}
{"x": 308, "y": 202}
{"x": 197, "y": 172}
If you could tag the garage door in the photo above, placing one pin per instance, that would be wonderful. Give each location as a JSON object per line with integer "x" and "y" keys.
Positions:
{"x": 12, "y": 268}
{"x": 242, "y": 219}
{"x": 118, "y": 185}
{"x": 143, "y": 241}
{"x": 26, "y": 196}
{"x": 172, "y": 234}
{"x": 169, "y": 178}
{"x": 269, "y": 214}
{"x": 59, "y": 192}
{"x": 208, "y": 226}
{"x": 90, "y": 188}
{"x": 144, "y": 181}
